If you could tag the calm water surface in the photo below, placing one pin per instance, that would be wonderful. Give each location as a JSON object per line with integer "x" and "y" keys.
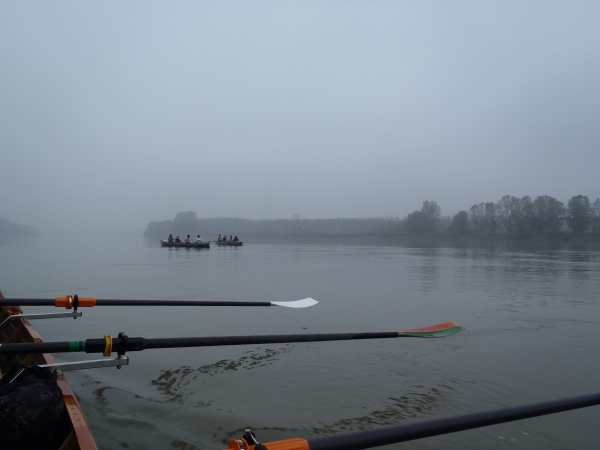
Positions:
{"x": 532, "y": 333}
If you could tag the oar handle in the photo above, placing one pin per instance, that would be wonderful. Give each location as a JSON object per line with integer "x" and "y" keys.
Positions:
{"x": 40, "y": 347}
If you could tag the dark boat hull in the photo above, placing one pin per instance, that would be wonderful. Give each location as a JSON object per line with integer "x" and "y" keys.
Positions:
{"x": 172, "y": 244}
{"x": 233, "y": 243}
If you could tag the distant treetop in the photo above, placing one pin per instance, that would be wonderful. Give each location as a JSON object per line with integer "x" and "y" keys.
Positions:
{"x": 8, "y": 228}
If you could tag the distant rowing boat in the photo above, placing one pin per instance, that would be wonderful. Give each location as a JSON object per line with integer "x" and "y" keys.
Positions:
{"x": 229, "y": 243}
{"x": 173, "y": 244}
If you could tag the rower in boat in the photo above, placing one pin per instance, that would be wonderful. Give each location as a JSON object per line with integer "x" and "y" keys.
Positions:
{"x": 177, "y": 240}
{"x": 230, "y": 238}
{"x": 219, "y": 239}
{"x": 170, "y": 240}
{"x": 198, "y": 240}
{"x": 187, "y": 239}
{"x": 235, "y": 239}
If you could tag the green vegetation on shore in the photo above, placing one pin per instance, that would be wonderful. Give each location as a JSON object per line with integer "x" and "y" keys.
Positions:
{"x": 543, "y": 216}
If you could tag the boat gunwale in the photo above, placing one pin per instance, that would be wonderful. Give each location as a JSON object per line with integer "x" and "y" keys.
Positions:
{"x": 79, "y": 425}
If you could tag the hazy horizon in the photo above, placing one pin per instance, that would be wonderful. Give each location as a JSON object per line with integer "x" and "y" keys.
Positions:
{"x": 115, "y": 114}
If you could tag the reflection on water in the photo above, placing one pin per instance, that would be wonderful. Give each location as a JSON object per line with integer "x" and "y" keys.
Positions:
{"x": 426, "y": 268}
{"x": 183, "y": 445}
{"x": 420, "y": 401}
{"x": 580, "y": 267}
{"x": 417, "y": 402}
{"x": 178, "y": 384}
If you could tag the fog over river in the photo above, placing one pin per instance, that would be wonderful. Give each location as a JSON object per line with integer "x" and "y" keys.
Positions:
{"x": 116, "y": 114}
{"x": 531, "y": 314}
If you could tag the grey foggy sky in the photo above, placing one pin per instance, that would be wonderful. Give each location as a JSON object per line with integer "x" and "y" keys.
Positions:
{"x": 114, "y": 114}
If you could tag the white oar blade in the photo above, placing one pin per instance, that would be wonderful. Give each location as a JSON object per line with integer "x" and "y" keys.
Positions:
{"x": 297, "y": 304}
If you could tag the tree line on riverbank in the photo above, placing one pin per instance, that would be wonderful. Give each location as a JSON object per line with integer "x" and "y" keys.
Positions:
{"x": 513, "y": 215}
{"x": 510, "y": 215}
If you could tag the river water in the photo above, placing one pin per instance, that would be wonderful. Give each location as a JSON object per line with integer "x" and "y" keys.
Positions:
{"x": 531, "y": 312}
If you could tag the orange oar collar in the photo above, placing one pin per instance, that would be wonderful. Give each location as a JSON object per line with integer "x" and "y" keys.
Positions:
{"x": 288, "y": 444}
{"x": 67, "y": 302}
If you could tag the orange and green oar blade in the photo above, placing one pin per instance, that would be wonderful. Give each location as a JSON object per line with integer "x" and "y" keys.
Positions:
{"x": 435, "y": 331}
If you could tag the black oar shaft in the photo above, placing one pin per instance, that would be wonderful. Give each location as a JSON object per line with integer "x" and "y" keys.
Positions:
{"x": 258, "y": 340}
{"x": 401, "y": 433}
{"x": 117, "y": 302}
{"x": 137, "y": 343}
